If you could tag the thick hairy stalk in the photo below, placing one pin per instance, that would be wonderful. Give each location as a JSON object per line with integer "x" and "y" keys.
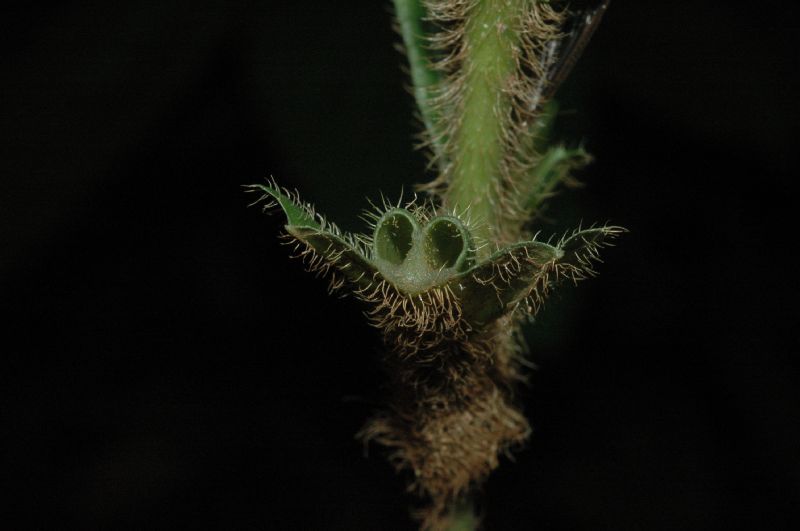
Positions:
{"x": 449, "y": 282}
{"x": 410, "y": 15}
{"x": 448, "y": 322}
{"x": 491, "y": 54}
{"x": 478, "y": 145}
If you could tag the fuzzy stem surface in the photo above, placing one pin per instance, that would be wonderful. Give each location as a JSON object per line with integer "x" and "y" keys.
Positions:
{"x": 490, "y": 50}
{"x": 410, "y": 15}
{"x": 462, "y": 516}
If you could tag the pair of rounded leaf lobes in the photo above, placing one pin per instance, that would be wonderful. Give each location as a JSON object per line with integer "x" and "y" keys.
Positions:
{"x": 415, "y": 258}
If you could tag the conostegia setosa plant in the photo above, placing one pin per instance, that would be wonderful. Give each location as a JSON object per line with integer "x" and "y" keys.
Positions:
{"x": 449, "y": 281}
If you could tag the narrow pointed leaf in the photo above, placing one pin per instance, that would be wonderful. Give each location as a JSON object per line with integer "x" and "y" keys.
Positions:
{"x": 335, "y": 251}
{"x": 492, "y": 288}
{"x": 581, "y": 250}
{"x": 297, "y": 214}
{"x": 410, "y": 17}
{"x": 330, "y": 248}
{"x": 555, "y": 167}
{"x": 542, "y": 130}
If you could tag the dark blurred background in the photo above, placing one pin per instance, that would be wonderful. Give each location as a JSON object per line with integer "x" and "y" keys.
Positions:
{"x": 166, "y": 365}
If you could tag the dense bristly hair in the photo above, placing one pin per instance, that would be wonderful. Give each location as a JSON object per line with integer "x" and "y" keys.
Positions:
{"x": 536, "y": 25}
{"x": 450, "y": 411}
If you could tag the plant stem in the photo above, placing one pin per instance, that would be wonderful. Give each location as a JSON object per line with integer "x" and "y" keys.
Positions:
{"x": 462, "y": 516}
{"x": 410, "y": 15}
{"x": 488, "y": 64}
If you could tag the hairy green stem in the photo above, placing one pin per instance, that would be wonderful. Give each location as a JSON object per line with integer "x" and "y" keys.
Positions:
{"x": 490, "y": 46}
{"x": 410, "y": 16}
{"x": 462, "y": 516}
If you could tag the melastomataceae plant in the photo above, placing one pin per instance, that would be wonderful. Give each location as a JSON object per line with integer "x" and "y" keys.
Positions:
{"x": 450, "y": 280}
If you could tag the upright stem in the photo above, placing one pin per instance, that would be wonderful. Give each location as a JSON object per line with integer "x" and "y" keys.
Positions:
{"x": 490, "y": 43}
{"x": 410, "y": 15}
{"x": 462, "y": 516}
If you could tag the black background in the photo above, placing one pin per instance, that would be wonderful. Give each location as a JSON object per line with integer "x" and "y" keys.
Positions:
{"x": 166, "y": 365}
